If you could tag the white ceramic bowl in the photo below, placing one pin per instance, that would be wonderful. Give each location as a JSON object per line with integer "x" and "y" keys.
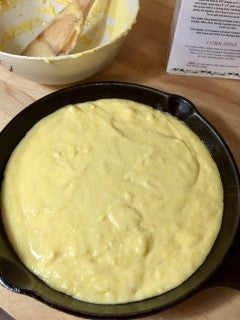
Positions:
{"x": 101, "y": 39}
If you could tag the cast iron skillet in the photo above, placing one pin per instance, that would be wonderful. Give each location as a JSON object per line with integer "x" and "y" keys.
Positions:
{"x": 14, "y": 276}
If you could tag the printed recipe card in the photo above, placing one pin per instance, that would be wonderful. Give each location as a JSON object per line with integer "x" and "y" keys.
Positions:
{"x": 206, "y": 38}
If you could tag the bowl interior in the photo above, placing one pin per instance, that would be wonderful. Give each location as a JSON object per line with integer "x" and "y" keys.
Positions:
{"x": 26, "y": 282}
{"x": 22, "y": 20}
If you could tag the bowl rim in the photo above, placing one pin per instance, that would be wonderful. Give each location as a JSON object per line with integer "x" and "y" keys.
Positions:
{"x": 83, "y": 53}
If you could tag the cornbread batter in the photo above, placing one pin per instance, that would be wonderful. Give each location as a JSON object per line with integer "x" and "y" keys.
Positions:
{"x": 6, "y": 4}
{"x": 111, "y": 201}
{"x": 18, "y": 30}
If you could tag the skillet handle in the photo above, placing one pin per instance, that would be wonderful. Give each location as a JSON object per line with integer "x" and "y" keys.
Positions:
{"x": 228, "y": 274}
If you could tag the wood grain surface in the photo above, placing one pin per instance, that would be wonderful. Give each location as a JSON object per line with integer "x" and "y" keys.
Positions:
{"x": 142, "y": 59}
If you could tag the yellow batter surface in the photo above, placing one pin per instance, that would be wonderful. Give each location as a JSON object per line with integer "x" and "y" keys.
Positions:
{"x": 111, "y": 201}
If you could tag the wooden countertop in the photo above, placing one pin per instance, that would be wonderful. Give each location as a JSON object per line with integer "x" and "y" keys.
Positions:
{"x": 143, "y": 60}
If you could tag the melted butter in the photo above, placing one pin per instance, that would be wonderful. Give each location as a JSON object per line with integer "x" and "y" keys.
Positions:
{"x": 18, "y": 30}
{"x": 48, "y": 9}
{"x": 111, "y": 201}
{"x": 96, "y": 25}
{"x": 115, "y": 7}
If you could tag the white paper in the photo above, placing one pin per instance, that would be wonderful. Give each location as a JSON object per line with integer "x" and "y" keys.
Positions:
{"x": 206, "y": 38}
